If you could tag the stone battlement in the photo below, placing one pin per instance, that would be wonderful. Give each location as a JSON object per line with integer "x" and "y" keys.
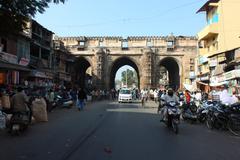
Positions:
{"x": 85, "y": 38}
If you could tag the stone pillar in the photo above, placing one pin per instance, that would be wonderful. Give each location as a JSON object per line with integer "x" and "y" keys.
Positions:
{"x": 146, "y": 79}
{"x": 98, "y": 69}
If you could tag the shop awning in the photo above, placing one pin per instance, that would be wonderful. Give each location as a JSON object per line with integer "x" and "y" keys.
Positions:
{"x": 189, "y": 87}
{"x": 10, "y": 66}
{"x": 218, "y": 84}
{"x": 202, "y": 83}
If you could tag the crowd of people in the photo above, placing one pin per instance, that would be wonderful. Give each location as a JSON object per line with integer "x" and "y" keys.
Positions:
{"x": 49, "y": 94}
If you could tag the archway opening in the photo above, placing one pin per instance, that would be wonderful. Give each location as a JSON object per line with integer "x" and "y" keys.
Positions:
{"x": 83, "y": 73}
{"x": 169, "y": 73}
{"x": 126, "y": 76}
{"x": 124, "y": 73}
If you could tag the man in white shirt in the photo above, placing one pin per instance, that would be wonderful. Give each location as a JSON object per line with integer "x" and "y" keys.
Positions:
{"x": 225, "y": 97}
{"x": 198, "y": 96}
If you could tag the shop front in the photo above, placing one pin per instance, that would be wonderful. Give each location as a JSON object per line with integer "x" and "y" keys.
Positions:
{"x": 11, "y": 72}
{"x": 40, "y": 79}
{"x": 231, "y": 78}
{"x": 203, "y": 82}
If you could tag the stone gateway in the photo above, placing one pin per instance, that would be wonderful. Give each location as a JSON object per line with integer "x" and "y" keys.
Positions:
{"x": 149, "y": 56}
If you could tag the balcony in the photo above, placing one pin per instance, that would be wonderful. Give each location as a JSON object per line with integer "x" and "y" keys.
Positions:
{"x": 203, "y": 51}
{"x": 208, "y": 32}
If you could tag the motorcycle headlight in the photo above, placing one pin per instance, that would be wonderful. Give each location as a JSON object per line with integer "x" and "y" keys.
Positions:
{"x": 170, "y": 111}
{"x": 197, "y": 104}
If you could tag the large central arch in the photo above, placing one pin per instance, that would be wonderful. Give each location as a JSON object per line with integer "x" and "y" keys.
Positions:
{"x": 172, "y": 66}
{"x": 118, "y": 63}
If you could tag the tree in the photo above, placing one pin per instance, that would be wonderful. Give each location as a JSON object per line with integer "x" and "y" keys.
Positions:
{"x": 14, "y": 14}
{"x": 129, "y": 77}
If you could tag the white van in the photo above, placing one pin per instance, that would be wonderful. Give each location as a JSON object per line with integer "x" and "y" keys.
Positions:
{"x": 125, "y": 95}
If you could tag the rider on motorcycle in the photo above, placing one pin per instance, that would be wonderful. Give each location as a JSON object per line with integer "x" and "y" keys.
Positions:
{"x": 19, "y": 102}
{"x": 169, "y": 97}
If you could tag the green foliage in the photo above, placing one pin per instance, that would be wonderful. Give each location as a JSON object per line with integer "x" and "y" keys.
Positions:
{"x": 130, "y": 78}
{"x": 15, "y": 13}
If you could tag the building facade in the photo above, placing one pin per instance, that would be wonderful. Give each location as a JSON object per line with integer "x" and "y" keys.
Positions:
{"x": 41, "y": 55}
{"x": 147, "y": 55}
{"x": 14, "y": 57}
{"x": 219, "y": 43}
{"x": 62, "y": 61}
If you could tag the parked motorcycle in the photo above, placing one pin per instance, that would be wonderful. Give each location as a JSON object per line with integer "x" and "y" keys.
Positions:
{"x": 189, "y": 111}
{"x": 203, "y": 110}
{"x": 63, "y": 102}
{"x": 3, "y": 118}
{"x": 173, "y": 116}
{"x": 222, "y": 116}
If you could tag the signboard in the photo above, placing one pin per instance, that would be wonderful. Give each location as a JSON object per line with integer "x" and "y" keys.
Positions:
{"x": 8, "y": 57}
{"x": 205, "y": 78}
{"x": 203, "y": 59}
{"x": 232, "y": 74}
{"x": 39, "y": 74}
{"x": 213, "y": 63}
{"x": 24, "y": 61}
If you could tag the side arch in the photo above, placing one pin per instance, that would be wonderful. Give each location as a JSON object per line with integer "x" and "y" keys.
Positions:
{"x": 174, "y": 69}
{"x": 80, "y": 67}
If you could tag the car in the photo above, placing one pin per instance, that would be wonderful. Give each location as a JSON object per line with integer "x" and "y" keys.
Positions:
{"x": 125, "y": 95}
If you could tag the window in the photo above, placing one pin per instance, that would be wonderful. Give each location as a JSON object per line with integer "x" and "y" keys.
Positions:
{"x": 124, "y": 44}
{"x": 4, "y": 44}
{"x": 81, "y": 43}
{"x": 191, "y": 68}
{"x": 201, "y": 44}
{"x": 149, "y": 43}
{"x": 170, "y": 45}
{"x": 23, "y": 49}
{"x": 101, "y": 43}
{"x": 191, "y": 61}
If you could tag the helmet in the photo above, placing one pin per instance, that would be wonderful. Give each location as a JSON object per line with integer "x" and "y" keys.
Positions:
{"x": 170, "y": 92}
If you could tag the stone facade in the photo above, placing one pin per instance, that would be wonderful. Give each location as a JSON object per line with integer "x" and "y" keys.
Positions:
{"x": 145, "y": 54}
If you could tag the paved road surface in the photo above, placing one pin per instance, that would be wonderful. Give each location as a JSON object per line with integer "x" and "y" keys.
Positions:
{"x": 108, "y": 130}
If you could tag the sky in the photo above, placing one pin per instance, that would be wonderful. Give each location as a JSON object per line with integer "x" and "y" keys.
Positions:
{"x": 124, "y": 18}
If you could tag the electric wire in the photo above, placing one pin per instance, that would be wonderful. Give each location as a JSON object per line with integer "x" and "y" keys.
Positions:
{"x": 132, "y": 20}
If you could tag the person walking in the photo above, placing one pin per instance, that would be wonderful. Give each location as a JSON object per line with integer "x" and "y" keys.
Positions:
{"x": 73, "y": 94}
{"x": 155, "y": 95}
{"x": 81, "y": 97}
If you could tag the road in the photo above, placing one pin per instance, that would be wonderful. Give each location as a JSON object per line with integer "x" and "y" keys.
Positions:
{"x": 108, "y": 130}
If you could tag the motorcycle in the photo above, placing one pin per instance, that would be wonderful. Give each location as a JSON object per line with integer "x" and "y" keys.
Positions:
{"x": 203, "y": 110}
{"x": 19, "y": 122}
{"x": 173, "y": 116}
{"x": 3, "y": 118}
{"x": 63, "y": 102}
{"x": 189, "y": 112}
{"x": 223, "y": 116}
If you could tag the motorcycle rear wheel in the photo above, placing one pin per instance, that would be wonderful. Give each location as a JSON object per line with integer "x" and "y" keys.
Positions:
{"x": 209, "y": 122}
{"x": 14, "y": 131}
{"x": 175, "y": 127}
{"x": 233, "y": 128}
